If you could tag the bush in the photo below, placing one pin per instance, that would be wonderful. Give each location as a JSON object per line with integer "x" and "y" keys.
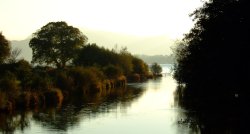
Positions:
{"x": 28, "y": 100}
{"x": 84, "y": 77}
{"x": 156, "y": 69}
{"x": 10, "y": 85}
{"x": 23, "y": 71}
{"x": 3, "y": 100}
{"x": 112, "y": 71}
{"x": 139, "y": 66}
{"x": 41, "y": 82}
{"x": 63, "y": 81}
{"x": 53, "y": 97}
{"x": 134, "y": 78}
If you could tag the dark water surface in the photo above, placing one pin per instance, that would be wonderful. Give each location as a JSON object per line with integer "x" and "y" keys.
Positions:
{"x": 141, "y": 108}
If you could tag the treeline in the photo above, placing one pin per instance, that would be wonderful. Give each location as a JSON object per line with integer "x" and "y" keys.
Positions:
{"x": 213, "y": 66}
{"x": 63, "y": 66}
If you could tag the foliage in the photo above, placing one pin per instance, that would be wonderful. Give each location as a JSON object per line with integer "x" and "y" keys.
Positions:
{"x": 41, "y": 80}
{"x": 212, "y": 60}
{"x": 53, "y": 97}
{"x": 84, "y": 77}
{"x": 155, "y": 68}
{"x": 93, "y": 55}
{"x": 10, "y": 85}
{"x": 23, "y": 72}
{"x": 112, "y": 71}
{"x": 125, "y": 61}
{"x": 139, "y": 66}
{"x": 56, "y": 44}
{"x": 95, "y": 70}
{"x": 4, "y": 48}
{"x": 63, "y": 81}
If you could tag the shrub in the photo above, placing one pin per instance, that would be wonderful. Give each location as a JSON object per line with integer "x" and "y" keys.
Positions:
{"x": 134, "y": 78}
{"x": 63, "y": 81}
{"x": 53, "y": 97}
{"x": 156, "y": 69}
{"x": 41, "y": 82}
{"x": 112, "y": 71}
{"x": 139, "y": 66}
{"x": 23, "y": 71}
{"x": 28, "y": 100}
{"x": 10, "y": 85}
{"x": 84, "y": 77}
{"x": 3, "y": 100}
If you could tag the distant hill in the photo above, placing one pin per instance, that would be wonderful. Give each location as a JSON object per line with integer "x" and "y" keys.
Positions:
{"x": 144, "y": 46}
{"x": 160, "y": 59}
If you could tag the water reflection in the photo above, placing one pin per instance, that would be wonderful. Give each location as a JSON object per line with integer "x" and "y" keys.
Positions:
{"x": 11, "y": 122}
{"x": 211, "y": 120}
{"x": 148, "y": 108}
{"x": 70, "y": 115}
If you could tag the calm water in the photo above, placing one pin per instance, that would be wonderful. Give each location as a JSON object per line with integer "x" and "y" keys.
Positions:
{"x": 146, "y": 108}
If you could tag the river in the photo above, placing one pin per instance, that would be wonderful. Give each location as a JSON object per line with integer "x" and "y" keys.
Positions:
{"x": 147, "y": 108}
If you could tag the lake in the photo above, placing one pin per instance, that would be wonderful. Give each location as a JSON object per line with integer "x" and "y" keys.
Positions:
{"x": 141, "y": 108}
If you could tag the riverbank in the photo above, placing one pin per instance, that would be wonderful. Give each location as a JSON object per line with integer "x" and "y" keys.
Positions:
{"x": 32, "y": 88}
{"x": 54, "y": 87}
{"x": 146, "y": 105}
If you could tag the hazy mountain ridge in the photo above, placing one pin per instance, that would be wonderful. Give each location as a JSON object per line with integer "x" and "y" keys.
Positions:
{"x": 26, "y": 52}
{"x": 148, "y": 45}
{"x": 160, "y": 59}
{"x": 139, "y": 45}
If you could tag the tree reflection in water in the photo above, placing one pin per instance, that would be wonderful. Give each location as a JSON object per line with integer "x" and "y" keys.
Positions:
{"x": 14, "y": 121}
{"x": 216, "y": 120}
{"x": 71, "y": 113}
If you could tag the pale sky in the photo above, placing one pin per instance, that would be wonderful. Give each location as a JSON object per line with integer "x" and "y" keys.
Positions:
{"x": 144, "y": 26}
{"x": 20, "y": 18}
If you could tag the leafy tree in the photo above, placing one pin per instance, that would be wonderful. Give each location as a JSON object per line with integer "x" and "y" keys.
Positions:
{"x": 139, "y": 66}
{"x": 204, "y": 60}
{"x": 156, "y": 68}
{"x": 112, "y": 71}
{"x": 57, "y": 44}
{"x": 91, "y": 55}
{"x": 4, "y": 48}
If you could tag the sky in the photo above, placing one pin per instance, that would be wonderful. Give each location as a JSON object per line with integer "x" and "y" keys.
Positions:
{"x": 144, "y": 18}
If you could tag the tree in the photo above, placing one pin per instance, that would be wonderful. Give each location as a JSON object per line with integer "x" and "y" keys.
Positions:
{"x": 56, "y": 44}
{"x": 139, "y": 66}
{"x": 213, "y": 66}
{"x": 4, "y": 48}
{"x": 91, "y": 55}
{"x": 204, "y": 61}
{"x": 156, "y": 69}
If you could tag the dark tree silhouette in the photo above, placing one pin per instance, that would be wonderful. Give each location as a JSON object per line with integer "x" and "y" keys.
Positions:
{"x": 4, "y": 48}
{"x": 213, "y": 66}
{"x": 213, "y": 60}
{"x": 93, "y": 55}
{"x": 56, "y": 44}
{"x": 155, "y": 68}
{"x": 139, "y": 66}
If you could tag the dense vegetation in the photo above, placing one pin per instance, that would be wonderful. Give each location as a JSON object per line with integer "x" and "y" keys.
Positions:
{"x": 213, "y": 65}
{"x": 56, "y": 44}
{"x": 156, "y": 69}
{"x": 4, "y": 48}
{"x": 64, "y": 67}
